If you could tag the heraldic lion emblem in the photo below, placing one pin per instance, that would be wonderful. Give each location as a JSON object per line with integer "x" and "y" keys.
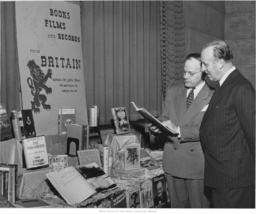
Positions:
{"x": 36, "y": 84}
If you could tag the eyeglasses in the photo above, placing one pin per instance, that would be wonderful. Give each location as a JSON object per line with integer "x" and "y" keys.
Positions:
{"x": 190, "y": 73}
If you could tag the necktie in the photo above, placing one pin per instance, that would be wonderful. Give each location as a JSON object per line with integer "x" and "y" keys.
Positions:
{"x": 190, "y": 97}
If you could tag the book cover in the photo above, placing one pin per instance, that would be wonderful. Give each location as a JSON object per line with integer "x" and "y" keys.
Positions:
{"x": 89, "y": 156}
{"x": 160, "y": 191}
{"x": 66, "y": 116}
{"x": 104, "y": 156}
{"x": 77, "y": 138}
{"x": 132, "y": 156}
{"x": 133, "y": 197}
{"x": 151, "y": 119}
{"x": 121, "y": 121}
{"x": 16, "y": 125}
{"x": 28, "y": 123}
{"x": 146, "y": 194}
{"x": 35, "y": 152}
{"x": 71, "y": 185}
{"x": 21, "y": 125}
{"x": 119, "y": 199}
{"x": 58, "y": 162}
{"x": 5, "y": 125}
{"x": 146, "y": 161}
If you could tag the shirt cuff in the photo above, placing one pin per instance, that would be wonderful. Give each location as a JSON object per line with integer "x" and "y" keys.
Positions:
{"x": 179, "y": 135}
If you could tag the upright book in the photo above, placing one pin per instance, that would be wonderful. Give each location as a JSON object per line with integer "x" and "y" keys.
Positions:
{"x": 132, "y": 156}
{"x": 133, "y": 196}
{"x": 151, "y": 119}
{"x": 105, "y": 152}
{"x": 58, "y": 162}
{"x": 28, "y": 122}
{"x": 66, "y": 117}
{"x": 35, "y": 152}
{"x": 121, "y": 121}
{"x": 146, "y": 194}
{"x": 160, "y": 191}
{"x": 5, "y": 124}
{"x": 16, "y": 126}
{"x": 8, "y": 177}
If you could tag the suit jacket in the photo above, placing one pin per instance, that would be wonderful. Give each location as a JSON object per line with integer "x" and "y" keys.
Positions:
{"x": 184, "y": 157}
{"x": 228, "y": 134}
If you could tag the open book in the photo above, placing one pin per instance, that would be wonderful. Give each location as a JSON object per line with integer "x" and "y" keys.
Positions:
{"x": 76, "y": 184}
{"x": 71, "y": 185}
{"x": 151, "y": 119}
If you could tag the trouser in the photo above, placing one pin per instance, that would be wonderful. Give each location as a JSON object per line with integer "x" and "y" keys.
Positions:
{"x": 233, "y": 198}
{"x": 187, "y": 193}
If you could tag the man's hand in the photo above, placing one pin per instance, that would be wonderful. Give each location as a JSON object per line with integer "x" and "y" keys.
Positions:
{"x": 153, "y": 129}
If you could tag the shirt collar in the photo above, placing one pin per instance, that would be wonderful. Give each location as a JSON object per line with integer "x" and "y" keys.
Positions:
{"x": 226, "y": 75}
{"x": 197, "y": 89}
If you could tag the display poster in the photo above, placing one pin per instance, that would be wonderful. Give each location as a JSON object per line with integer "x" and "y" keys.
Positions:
{"x": 50, "y": 61}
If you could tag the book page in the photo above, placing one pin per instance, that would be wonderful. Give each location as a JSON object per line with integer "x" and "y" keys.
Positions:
{"x": 150, "y": 118}
{"x": 71, "y": 185}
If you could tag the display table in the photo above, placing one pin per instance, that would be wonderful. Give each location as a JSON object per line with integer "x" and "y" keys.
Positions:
{"x": 118, "y": 141}
{"x": 32, "y": 183}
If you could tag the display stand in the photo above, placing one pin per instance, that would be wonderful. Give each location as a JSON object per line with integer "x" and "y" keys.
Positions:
{"x": 118, "y": 141}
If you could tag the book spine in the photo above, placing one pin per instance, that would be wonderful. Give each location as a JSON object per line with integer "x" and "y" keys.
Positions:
{"x": 115, "y": 120}
{"x": 21, "y": 125}
{"x": 106, "y": 159}
{"x": 110, "y": 160}
{"x": 16, "y": 125}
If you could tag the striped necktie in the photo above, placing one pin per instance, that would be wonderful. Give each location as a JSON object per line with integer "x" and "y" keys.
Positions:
{"x": 190, "y": 97}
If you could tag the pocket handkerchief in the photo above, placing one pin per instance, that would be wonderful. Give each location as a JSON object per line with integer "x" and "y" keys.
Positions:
{"x": 205, "y": 108}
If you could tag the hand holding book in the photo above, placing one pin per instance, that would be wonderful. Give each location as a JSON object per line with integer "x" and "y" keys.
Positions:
{"x": 154, "y": 124}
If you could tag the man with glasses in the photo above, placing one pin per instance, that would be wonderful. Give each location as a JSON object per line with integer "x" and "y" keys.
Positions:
{"x": 183, "y": 160}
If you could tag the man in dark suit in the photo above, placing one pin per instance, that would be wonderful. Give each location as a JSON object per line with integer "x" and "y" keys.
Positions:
{"x": 227, "y": 131}
{"x": 183, "y": 160}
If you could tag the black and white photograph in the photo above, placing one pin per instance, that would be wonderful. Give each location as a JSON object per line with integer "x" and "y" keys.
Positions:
{"x": 151, "y": 91}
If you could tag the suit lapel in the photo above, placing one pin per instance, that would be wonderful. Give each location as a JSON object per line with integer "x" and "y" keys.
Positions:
{"x": 180, "y": 103}
{"x": 196, "y": 106}
{"x": 218, "y": 94}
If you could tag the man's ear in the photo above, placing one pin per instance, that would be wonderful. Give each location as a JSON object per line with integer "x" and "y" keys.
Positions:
{"x": 220, "y": 63}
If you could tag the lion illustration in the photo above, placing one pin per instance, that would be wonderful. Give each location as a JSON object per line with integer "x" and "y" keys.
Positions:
{"x": 36, "y": 84}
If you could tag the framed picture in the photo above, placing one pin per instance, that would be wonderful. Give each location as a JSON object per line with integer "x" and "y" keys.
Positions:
{"x": 89, "y": 156}
{"x": 132, "y": 157}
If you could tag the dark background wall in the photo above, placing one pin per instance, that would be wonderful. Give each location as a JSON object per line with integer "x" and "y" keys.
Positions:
{"x": 204, "y": 22}
{"x": 233, "y": 21}
{"x": 240, "y": 35}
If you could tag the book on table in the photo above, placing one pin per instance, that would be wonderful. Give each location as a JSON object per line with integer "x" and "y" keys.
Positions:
{"x": 121, "y": 121}
{"x": 153, "y": 120}
{"x": 35, "y": 152}
{"x": 8, "y": 178}
{"x": 76, "y": 184}
{"x": 5, "y": 124}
